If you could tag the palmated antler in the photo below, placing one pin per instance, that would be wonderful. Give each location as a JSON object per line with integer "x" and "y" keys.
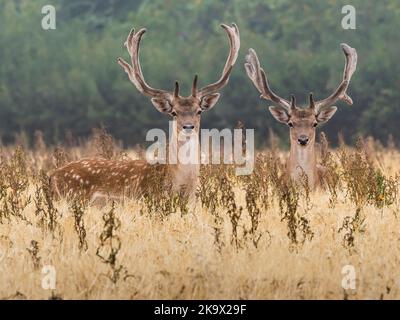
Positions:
{"x": 135, "y": 72}
{"x": 136, "y": 76}
{"x": 258, "y": 77}
{"x": 340, "y": 93}
{"x": 234, "y": 43}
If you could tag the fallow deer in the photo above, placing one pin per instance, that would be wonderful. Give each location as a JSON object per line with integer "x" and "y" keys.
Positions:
{"x": 93, "y": 177}
{"x": 302, "y": 121}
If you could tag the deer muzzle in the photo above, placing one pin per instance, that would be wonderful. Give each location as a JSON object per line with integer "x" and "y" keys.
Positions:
{"x": 303, "y": 140}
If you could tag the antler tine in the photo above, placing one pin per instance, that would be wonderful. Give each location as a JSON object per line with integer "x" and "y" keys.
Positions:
{"x": 292, "y": 102}
{"x": 176, "y": 90}
{"x": 312, "y": 102}
{"x": 349, "y": 68}
{"x": 194, "y": 86}
{"x": 258, "y": 77}
{"x": 134, "y": 72}
{"x": 234, "y": 42}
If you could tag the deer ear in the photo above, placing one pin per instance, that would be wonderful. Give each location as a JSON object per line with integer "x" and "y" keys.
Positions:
{"x": 162, "y": 105}
{"x": 279, "y": 114}
{"x": 325, "y": 114}
{"x": 209, "y": 101}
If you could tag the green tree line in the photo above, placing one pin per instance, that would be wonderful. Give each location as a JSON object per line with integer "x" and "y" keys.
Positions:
{"x": 68, "y": 79}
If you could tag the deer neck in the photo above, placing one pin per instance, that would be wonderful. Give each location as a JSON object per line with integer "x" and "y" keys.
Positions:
{"x": 302, "y": 160}
{"x": 185, "y": 166}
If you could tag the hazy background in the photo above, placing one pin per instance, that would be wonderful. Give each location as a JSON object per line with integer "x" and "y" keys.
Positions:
{"x": 68, "y": 79}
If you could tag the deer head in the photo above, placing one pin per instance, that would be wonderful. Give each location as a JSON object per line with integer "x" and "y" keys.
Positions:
{"x": 185, "y": 110}
{"x": 302, "y": 121}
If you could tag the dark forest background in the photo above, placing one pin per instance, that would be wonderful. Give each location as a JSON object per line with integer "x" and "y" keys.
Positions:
{"x": 68, "y": 79}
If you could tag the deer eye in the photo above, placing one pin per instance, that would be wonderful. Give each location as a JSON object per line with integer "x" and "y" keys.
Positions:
{"x": 290, "y": 124}
{"x": 199, "y": 112}
{"x": 173, "y": 113}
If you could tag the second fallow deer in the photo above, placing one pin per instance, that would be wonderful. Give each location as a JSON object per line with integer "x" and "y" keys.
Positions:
{"x": 99, "y": 177}
{"x": 302, "y": 122}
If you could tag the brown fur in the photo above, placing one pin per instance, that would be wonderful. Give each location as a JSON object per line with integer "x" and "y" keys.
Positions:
{"x": 87, "y": 177}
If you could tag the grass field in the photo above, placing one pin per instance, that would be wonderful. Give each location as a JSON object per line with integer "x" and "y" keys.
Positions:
{"x": 253, "y": 237}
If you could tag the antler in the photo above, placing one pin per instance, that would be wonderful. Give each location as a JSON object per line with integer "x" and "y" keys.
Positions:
{"x": 234, "y": 42}
{"x": 135, "y": 72}
{"x": 194, "y": 86}
{"x": 349, "y": 68}
{"x": 258, "y": 77}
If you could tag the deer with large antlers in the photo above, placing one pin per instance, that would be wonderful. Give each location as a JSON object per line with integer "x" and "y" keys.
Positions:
{"x": 99, "y": 177}
{"x": 302, "y": 121}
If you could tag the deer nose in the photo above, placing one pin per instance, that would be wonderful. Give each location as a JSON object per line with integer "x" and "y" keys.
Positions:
{"x": 188, "y": 127}
{"x": 303, "y": 140}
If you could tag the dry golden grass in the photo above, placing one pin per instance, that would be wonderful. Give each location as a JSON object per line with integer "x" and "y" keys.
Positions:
{"x": 272, "y": 242}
